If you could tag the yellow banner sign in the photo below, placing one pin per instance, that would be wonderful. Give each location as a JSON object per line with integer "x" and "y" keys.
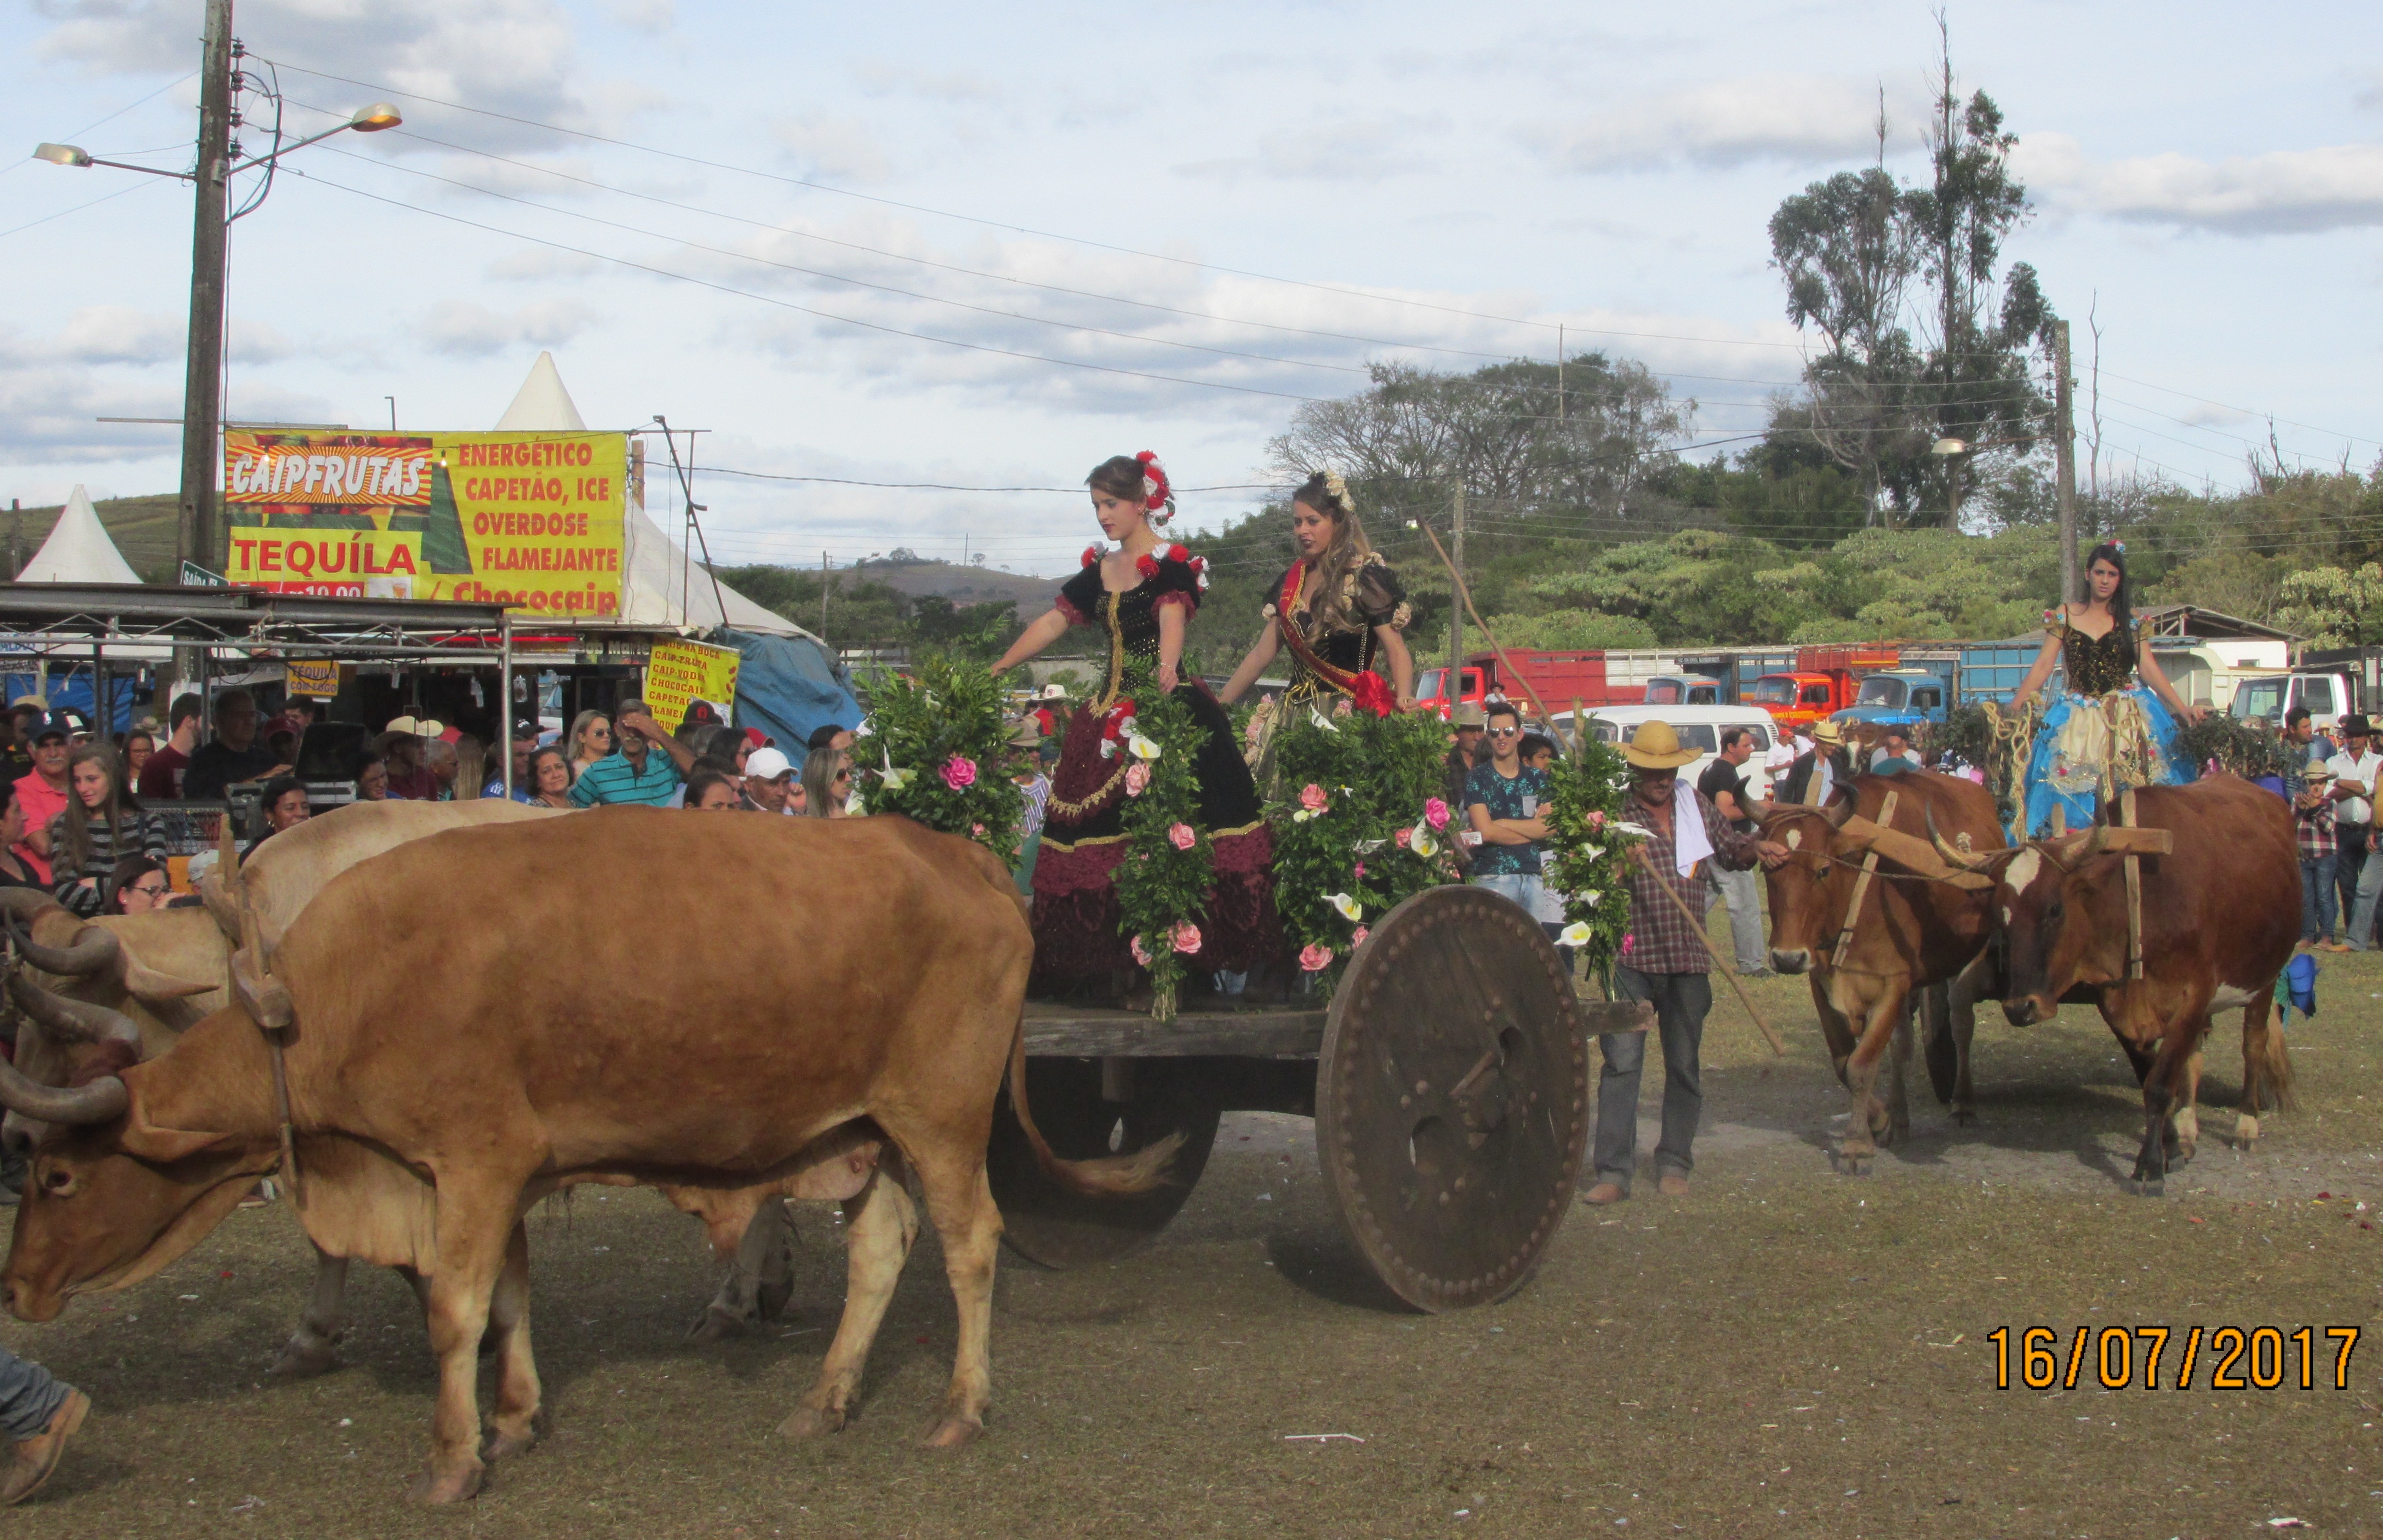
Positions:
{"x": 311, "y": 676}
{"x": 678, "y": 674}
{"x": 531, "y": 520}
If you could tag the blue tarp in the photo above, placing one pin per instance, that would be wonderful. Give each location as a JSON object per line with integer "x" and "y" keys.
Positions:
{"x": 73, "y": 693}
{"x": 789, "y": 687}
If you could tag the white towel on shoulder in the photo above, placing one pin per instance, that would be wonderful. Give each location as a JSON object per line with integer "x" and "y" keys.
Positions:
{"x": 1690, "y": 843}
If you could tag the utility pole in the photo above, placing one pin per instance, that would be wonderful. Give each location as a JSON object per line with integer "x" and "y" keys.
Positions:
{"x": 194, "y": 530}
{"x": 1454, "y": 692}
{"x": 822, "y": 595}
{"x": 2064, "y": 449}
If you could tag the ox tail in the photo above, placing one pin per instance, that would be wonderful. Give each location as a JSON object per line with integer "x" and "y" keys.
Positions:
{"x": 1109, "y": 1176}
{"x": 2266, "y": 1058}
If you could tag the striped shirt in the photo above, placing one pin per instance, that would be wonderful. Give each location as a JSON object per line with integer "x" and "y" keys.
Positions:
{"x": 140, "y": 834}
{"x": 612, "y": 779}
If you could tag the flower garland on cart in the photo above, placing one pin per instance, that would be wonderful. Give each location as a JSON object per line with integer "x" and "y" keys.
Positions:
{"x": 1591, "y": 845}
{"x": 933, "y": 750}
{"x": 1163, "y": 883}
{"x": 1362, "y": 827}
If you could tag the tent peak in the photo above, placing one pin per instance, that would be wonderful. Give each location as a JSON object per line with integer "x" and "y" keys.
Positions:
{"x": 542, "y": 404}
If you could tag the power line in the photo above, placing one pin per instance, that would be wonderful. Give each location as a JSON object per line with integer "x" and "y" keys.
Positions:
{"x": 105, "y": 121}
{"x": 2330, "y": 433}
{"x": 78, "y": 208}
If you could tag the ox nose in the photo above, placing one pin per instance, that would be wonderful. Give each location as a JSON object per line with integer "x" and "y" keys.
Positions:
{"x": 2022, "y": 1011}
{"x": 1786, "y": 961}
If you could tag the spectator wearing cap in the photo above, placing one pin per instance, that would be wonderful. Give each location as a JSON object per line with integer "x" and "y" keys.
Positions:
{"x": 43, "y": 791}
{"x": 161, "y": 778}
{"x": 1664, "y": 962}
{"x": 769, "y": 782}
{"x": 235, "y": 757}
{"x": 104, "y": 824}
{"x": 633, "y": 773}
{"x": 2313, "y": 814}
{"x": 283, "y": 806}
{"x": 2355, "y": 772}
{"x": 525, "y": 744}
{"x": 401, "y": 748}
{"x": 550, "y": 778}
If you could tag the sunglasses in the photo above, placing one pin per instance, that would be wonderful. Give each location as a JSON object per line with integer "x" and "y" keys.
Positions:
{"x": 1505, "y": 731}
{"x": 843, "y": 775}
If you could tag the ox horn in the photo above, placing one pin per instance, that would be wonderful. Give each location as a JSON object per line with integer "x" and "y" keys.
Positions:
{"x": 1954, "y": 854}
{"x": 94, "y": 951}
{"x": 102, "y": 1099}
{"x": 74, "y": 1021}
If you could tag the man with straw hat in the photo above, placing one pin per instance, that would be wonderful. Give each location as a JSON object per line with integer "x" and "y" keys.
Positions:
{"x": 1827, "y": 761}
{"x": 1664, "y": 962}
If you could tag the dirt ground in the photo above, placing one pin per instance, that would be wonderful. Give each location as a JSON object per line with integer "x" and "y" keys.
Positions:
{"x": 1784, "y": 1351}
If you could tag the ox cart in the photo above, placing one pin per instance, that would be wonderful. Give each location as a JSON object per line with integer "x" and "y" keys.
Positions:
{"x": 1449, "y": 1079}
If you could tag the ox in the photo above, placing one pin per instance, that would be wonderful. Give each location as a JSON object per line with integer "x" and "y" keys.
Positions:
{"x": 167, "y": 970}
{"x": 837, "y": 1013}
{"x": 2220, "y": 913}
{"x": 1914, "y": 932}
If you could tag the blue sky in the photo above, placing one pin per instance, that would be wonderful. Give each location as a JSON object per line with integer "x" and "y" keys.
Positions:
{"x": 1226, "y": 208}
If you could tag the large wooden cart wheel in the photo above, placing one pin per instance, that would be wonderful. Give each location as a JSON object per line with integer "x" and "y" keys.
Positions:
{"x": 1047, "y": 1224}
{"x": 1453, "y": 1101}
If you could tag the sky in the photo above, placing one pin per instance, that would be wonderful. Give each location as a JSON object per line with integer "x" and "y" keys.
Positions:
{"x": 988, "y": 247}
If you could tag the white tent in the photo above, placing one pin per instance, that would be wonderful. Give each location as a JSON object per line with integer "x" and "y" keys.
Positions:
{"x": 79, "y": 549}
{"x": 660, "y": 587}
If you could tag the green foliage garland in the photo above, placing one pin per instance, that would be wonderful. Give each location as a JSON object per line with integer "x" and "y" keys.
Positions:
{"x": 1361, "y": 823}
{"x": 940, "y": 730}
{"x": 1162, "y": 885}
{"x": 2249, "y": 750}
{"x": 1590, "y": 856}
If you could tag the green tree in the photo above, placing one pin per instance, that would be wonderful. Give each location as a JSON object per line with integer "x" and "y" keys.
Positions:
{"x": 2335, "y": 608}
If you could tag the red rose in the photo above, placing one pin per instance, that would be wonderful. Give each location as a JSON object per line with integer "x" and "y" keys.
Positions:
{"x": 1124, "y": 708}
{"x": 1373, "y": 694}
{"x": 1091, "y": 555}
{"x": 1146, "y": 565}
{"x": 1178, "y": 553}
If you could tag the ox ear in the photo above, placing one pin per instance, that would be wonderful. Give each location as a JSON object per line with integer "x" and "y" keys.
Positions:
{"x": 144, "y": 1141}
{"x": 148, "y": 983}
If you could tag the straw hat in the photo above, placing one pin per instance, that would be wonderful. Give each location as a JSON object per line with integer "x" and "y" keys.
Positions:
{"x": 1829, "y": 732}
{"x": 1656, "y": 747}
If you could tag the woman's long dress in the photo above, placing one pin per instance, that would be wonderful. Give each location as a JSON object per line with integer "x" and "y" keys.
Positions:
{"x": 1346, "y": 644}
{"x": 2104, "y": 732}
{"x": 1076, "y": 915}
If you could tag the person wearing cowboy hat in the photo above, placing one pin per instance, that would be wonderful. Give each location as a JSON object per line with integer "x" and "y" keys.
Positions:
{"x": 1664, "y": 962}
{"x": 1826, "y": 760}
{"x": 2313, "y": 814}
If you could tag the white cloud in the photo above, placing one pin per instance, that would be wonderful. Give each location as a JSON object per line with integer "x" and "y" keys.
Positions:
{"x": 645, "y": 16}
{"x": 953, "y": 87}
{"x": 539, "y": 264}
{"x": 839, "y": 149}
{"x": 1798, "y": 119}
{"x": 2279, "y": 192}
{"x": 107, "y": 334}
{"x": 1352, "y": 150}
{"x": 465, "y": 330}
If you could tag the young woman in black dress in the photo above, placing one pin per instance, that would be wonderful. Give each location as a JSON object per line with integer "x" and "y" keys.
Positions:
{"x": 1339, "y": 607}
{"x": 1142, "y": 593}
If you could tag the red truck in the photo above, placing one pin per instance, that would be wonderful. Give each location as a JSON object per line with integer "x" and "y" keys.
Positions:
{"x": 1823, "y": 683}
{"x": 1559, "y": 678}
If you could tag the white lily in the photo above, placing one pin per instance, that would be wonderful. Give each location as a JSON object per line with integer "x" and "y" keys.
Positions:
{"x": 1423, "y": 843}
{"x": 894, "y": 779}
{"x": 1367, "y": 848}
{"x": 1589, "y": 851}
{"x": 1320, "y": 719}
{"x": 1576, "y": 934}
{"x": 1637, "y": 830}
{"x": 1143, "y": 748}
{"x": 1302, "y": 815}
{"x": 1349, "y": 909}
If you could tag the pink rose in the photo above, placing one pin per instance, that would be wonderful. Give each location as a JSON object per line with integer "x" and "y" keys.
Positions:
{"x": 1314, "y": 957}
{"x": 1435, "y": 812}
{"x": 1361, "y": 871}
{"x": 1182, "y": 837}
{"x": 1628, "y": 942}
{"x": 1596, "y": 819}
{"x": 1140, "y": 952}
{"x": 1403, "y": 836}
{"x": 977, "y": 829}
{"x": 1359, "y": 939}
{"x": 1186, "y": 937}
{"x": 1137, "y": 776}
{"x": 959, "y": 773}
{"x": 1311, "y": 796}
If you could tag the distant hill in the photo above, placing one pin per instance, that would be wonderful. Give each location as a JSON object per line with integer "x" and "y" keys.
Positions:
{"x": 143, "y": 529}
{"x": 960, "y": 585}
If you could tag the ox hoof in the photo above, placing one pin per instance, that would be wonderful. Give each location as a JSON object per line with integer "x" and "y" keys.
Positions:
{"x": 502, "y": 1444}
{"x": 437, "y": 1488}
{"x": 298, "y": 1362}
{"x": 954, "y": 1430}
{"x": 717, "y": 1326}
{"x": 770, "y": 1300}
{"x": 812, "y": 1422}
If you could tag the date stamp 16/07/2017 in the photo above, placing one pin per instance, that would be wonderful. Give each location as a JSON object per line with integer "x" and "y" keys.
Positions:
{"x": 2168, "y": 1358}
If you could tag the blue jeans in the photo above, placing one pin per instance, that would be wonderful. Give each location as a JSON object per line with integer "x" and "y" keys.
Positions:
{"x": 29, "y": 1397}
{"x": 2316, "y": 897}
{"x": 1522, "y": 887}
{"x": 1681, "y": 1002}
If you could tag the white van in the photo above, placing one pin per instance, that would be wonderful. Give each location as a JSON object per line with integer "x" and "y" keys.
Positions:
{"x": 1699, "y": 728}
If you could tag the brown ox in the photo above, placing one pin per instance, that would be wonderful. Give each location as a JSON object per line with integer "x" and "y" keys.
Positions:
{"x": 167, "y": 970}
{"x": 546, "y": 1022}
{"x": 2220, "y": 914}
{"x": 1914, "y": 932}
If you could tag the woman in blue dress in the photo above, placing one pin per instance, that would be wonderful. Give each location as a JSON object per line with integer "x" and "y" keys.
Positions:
{"x": 2105, "y": 732}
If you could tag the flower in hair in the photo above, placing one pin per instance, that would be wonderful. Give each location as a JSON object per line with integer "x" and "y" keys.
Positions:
{"x": 1146, "y": 564}
{"x": 1091, "y": 555}
{"x": 1155, "y": 490}
{"x": 1338, "y": 491}
{"x": 2118, "y": 545}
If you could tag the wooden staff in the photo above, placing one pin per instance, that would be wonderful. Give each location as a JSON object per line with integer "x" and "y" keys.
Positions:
{"x": 1456, "y": 665}
{"x": 1725, "y": 966}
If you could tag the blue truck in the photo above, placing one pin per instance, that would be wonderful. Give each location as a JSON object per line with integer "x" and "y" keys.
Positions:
{"x": 1933, "y": 680}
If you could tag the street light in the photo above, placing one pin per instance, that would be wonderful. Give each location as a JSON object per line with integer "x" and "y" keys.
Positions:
{"x": 74, "y": 154}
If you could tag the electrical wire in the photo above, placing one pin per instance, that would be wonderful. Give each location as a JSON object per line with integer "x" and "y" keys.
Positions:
{"x": 78, "y": 208}
{"x": 105, "y": 121}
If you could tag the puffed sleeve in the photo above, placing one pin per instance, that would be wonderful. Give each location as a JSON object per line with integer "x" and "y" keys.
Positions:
{"x": 1079, "y": 597}
{"x": 1181, "y": 579}
{"x": 1272, "y": 608}
{"x": 1380, "y": 599}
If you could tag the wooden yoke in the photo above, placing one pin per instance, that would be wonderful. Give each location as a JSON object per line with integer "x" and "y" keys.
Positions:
{"x": 2134, "y": 891}
{"x": 1861, "y": 885}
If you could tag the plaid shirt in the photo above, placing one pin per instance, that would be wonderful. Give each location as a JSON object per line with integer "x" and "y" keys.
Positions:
{"x": 2317, "y": 837}
{"x": 1662, "y": 941}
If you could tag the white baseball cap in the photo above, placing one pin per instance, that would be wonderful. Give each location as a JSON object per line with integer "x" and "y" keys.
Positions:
{"x": 766, "y": 764}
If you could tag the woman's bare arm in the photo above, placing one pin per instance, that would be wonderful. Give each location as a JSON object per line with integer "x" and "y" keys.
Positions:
{"x": 1261, "y": 653}
{"x": 1047, "y": 630}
